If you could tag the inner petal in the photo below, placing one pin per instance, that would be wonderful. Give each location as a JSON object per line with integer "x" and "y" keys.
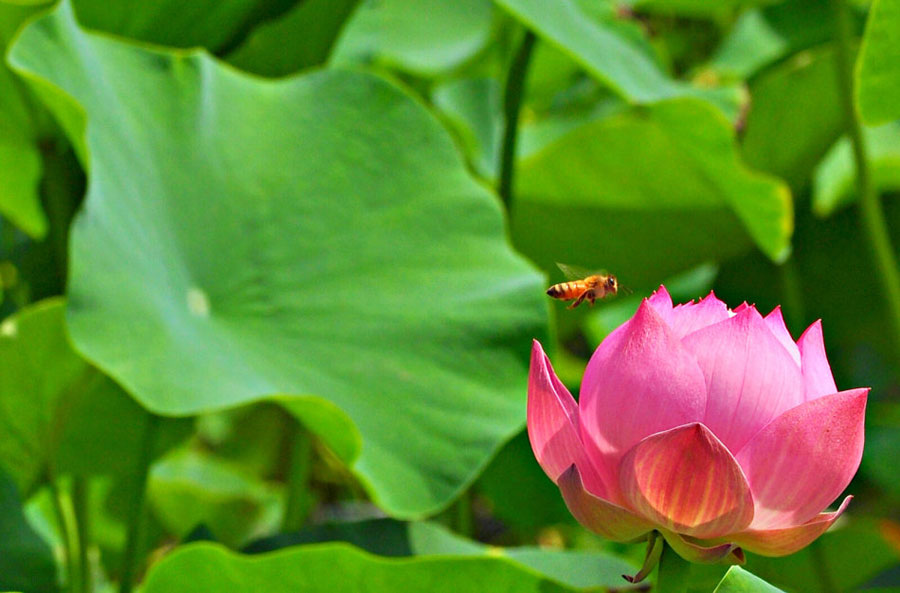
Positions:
{"x": 750, "y": 377}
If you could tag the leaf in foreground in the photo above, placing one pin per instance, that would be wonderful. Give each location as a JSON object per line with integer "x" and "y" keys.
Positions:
{"x": 316, "y": 239}
{"x": 337, "y": 567}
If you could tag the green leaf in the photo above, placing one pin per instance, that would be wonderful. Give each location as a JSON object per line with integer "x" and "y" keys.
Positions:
{"x": 738, "y": 580}
{"x": 421, "y": 37}
{"x": 26, "y": 561}
{"x": 878, "y": 66}
{"x": 20, "y": 159}
{"x": 572, "y": 568}
{"x": 387, "y": 537}
{"x": 695, "y": 8}
{"x": 605, "y": 51}
{"x": 795, "y": 116}
{"x": 760, "y": 37}
{"x": 666, "y": 179}
{"x": 835, "y": 177}
{"x": 213, "y": 24}
{"x": 337, "y": 567}
{"x": 60, "y": 414}
{"x": 215, "y": 263}
{"x": 302, "y": 38}
{"x": 188, "y": 488}
{"x": 472, "y": 108}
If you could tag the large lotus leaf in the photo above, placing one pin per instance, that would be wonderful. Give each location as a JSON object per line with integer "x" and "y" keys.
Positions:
{"x": 58, "y": 413}
{"x": 738, "y": 580}
{"x": 20, "y": 158}
{"x": 647, "y": 193}
{"x": 213, "y": 24}
{"x": 388, "y": 537}
{"x": 609, "y": 53}
{"x": 301, "y": 38}
{"x": 26, "y": 561}
{"x": 422, "y": 37}
{"x": 337, "y": 568}
{"x": 316, "y": 236}
{"x": 835, "y": 177}
{"x": 878, "y": 68}
{"x": 795, "y": 116}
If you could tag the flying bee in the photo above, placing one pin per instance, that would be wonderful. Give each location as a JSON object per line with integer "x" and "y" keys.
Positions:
{"x": 583, "y": 286}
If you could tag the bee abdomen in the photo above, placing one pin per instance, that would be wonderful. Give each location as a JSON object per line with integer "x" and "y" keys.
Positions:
{"x": 564, "y": 290}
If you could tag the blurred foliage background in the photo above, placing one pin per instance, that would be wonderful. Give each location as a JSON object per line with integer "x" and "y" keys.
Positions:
{"x": 271, "y": 269}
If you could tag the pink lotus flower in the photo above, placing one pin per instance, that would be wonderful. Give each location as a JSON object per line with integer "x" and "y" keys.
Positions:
{"x": 711, "y": 426}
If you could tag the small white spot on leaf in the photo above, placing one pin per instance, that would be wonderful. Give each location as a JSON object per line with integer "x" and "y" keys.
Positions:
{"x": 9, "y": 328}
{"x": 198, "y": 302}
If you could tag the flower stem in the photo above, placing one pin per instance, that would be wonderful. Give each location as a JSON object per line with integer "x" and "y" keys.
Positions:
{"x": 462, "y": 515}
{"x": 512, "y": 102}
{"x": 874, "y": 227}
{"x": 65, "y": 534}
{"x": 794, "y": 310}
{"x": 136, "y": 509}
{"x": 820, "y": 562}
{"x": 673, "y": 574}
{"x": 297, "y": 505}
{"x": 82, "y": 529}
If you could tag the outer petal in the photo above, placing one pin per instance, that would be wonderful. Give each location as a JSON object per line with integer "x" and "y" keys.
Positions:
{"x": 688, "y": 317}
{"x": 775, "y": 321}
{"x": 750, "y": 377}
{"x": 553, "y": 423}
{"x": 727, "y": 553}
{"x": 641, "y": 380}
{"x": 817, "y": 378}
{"x": 599, "y": 515}
{"x": 804, "y": 459}
{"x": 685, "y": 480}
{"x": 661, "y": 301}
{"x": 781, "y": 542}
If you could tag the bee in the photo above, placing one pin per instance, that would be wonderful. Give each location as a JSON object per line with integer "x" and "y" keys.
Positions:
{"x": 583, "y": 286}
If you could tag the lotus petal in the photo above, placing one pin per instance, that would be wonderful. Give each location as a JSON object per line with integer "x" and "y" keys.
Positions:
{"x": 817, "y": 378}
{"x": 787, "y": 540}
{"x": 801, "y": 461}
{"x": 685, "y": 480}
{"x": 640, "y": 380}
{"x": 553, "y": 423}
{"x": 750, "y": 377}
{"x": 600, "y": 516}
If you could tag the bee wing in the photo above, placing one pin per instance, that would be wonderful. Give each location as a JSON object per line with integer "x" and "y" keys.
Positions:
{"x": 574, "y": 272}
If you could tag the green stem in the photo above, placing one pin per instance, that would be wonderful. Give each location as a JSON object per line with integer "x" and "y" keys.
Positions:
{"x": 794, "y": 309}
{"x": 462, "y": 516}
{"x": 820, "y": 564}
{"x": 136, "y": 508}
{"x": 80, "y": 508}
{"x": 674, "y": 573}
{"x": 65, "y": 533}
{"x": 297, "y": 505}
{"x": 512, "y": 102}
{"x": 874, "y": 227}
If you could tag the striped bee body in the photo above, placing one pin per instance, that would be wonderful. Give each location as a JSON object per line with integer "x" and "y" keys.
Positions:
{"x": 589, "y": 288}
